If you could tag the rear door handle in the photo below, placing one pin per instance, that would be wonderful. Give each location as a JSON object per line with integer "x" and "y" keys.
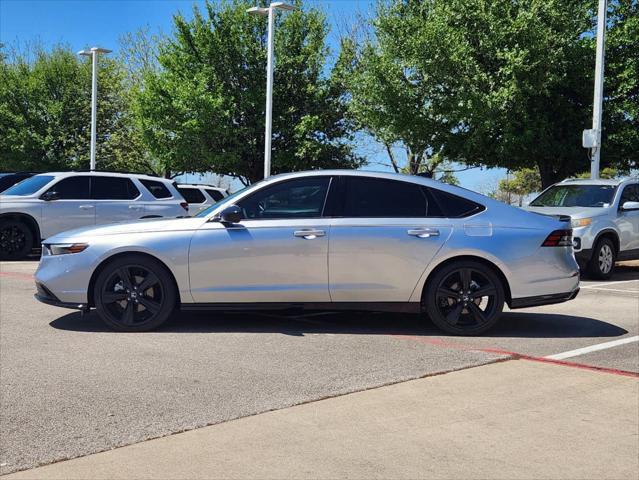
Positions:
{"x": 423, "y": 232}
{"x": 309, "y": 234}
{"x": 86, "y": 207}
{"x": 136, "y": 207}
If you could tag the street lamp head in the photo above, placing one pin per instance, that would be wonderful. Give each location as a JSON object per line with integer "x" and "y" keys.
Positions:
{"x": 282, "y": 6}
{"x": 258, "y": 11}
{"x": 88, "y": 53}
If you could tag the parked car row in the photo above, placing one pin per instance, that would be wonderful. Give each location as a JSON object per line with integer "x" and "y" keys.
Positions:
{"x": 42, "y": 205}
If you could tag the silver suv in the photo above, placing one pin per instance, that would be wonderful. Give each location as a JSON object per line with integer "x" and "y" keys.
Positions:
{"x": 50, "y": 203}
{"x": 604, "y": 216}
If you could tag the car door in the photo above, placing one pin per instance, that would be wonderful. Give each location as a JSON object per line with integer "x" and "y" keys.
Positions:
{"x": 628, "y": 220}
{"x": 383, "y": 240}
{"x": 114, "y": 199}
{"x": 70, "y": 207}
{"x": 277, "y": 253}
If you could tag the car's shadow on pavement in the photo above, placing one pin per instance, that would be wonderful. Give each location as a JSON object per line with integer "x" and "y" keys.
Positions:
{"x": 512, "y": 324}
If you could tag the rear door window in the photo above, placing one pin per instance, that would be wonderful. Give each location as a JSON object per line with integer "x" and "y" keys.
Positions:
{"x": 113, "y": 188}
{"x": 157, "y": 189}
{"x": 378, "y": 197}
{"x": 192, "y": 195}
{"x": 72, "y": 188}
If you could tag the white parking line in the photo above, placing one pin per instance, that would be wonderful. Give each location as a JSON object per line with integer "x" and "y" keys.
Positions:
{"x": 611, "y": 290}
{"x": 609, "y": 283}
{"x": 593, "y": 348}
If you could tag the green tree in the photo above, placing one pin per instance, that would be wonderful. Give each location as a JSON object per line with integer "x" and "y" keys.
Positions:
{"x": 522, "y": 183}
{"x": 500, "y": 83}
{"x": 45, "y": 113}
{"x": 401, "y": 105}
{"x": 204, "y": 109}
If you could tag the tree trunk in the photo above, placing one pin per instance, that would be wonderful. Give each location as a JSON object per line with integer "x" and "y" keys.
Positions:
{"x": 548, "y": 174}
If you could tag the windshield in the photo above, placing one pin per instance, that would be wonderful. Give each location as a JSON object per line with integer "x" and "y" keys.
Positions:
{"x": 29, "y": 186}
{"x": 576, "y": 196}
{"x": 226, "y": 201}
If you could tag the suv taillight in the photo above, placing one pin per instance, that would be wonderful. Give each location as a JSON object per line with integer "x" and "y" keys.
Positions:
{"x": 185, "y": 206}
{"x": 558, "y": 238}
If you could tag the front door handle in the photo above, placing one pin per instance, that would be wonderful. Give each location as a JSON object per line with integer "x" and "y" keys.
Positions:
{"x": 86, "y": 207}
{"x": 136, "y": 207}
{"x": 423, "y": 232}
{"x": 309, "y": 234}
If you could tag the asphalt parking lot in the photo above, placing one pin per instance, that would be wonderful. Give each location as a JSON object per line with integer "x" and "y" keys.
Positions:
{"x": 70, "y": 387}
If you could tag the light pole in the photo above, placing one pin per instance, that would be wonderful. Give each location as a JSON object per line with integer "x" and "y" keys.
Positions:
{"x": 93, "y": 53}
{"x": 270, "y": 11}
{"x": 592, "y": 138}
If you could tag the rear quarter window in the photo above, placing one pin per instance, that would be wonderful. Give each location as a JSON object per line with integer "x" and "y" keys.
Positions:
{"x": 448, "y": 205}
{"x": 215, "y": 194}
{"x": 157, "y": 189}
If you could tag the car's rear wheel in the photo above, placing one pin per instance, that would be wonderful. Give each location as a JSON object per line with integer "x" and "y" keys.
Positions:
{"x": 134, "y": 294}
{"x": 16, "y": 240}
{"x": 465, "y": 298}
{"x": 603, "y": 259}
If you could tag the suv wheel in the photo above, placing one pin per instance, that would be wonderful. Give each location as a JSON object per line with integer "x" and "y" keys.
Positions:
{"x": 134, "y": 294}
{"x": 16, "y": 240}
{"x": 603, "y": 259}
{"x": 465, "y": 298}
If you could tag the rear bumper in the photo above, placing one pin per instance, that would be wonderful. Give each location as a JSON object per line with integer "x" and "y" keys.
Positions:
{"x": 543, "y": 299}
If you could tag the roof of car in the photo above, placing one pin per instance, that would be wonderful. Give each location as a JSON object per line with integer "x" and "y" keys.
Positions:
{"x": 599, "y": 181}
{"x": 106, "y": 174}
{"x": 197, "y": 185}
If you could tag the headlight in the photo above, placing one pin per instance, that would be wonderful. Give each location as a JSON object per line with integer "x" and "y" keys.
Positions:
{"x": 580, "y": 222}
{"x": 64, "y": 248}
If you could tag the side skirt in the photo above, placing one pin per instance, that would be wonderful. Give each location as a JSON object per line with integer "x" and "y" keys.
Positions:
{"x": 397, "y": 307}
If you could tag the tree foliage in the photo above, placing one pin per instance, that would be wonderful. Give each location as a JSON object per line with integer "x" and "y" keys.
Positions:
{"x": 498, "y": 83}
{"x": 45, "y": 112}
{"x": 204, "y": 109}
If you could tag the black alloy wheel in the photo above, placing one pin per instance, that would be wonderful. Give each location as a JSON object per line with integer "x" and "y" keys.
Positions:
{"x": 134, "y": 294}
{"x": 16, "y": 240}
{"x": 465, "y": 298}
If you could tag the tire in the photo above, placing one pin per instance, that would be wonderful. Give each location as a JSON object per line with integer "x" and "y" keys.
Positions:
{"x": 16, "y": 240}
{"x": 602, "y": 263}
{"x": 134, "y": 293}
{"x": 456, "y": 311}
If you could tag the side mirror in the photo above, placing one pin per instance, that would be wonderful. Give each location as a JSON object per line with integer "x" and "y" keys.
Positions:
{"x": 231, "y": 214}
{"x": 50, "y": 195}
{"x": 630, "y": 206}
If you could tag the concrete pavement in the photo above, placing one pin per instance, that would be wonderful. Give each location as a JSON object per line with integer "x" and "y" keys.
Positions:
{"x": 508, "y": 420}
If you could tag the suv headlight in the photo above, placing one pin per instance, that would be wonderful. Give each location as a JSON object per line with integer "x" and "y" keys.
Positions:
{"x": 65, "y": 248}
{"x": 580, "y": 222}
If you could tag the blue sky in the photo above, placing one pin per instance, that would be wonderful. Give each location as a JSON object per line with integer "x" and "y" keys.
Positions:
{"x": 86, "y": 23}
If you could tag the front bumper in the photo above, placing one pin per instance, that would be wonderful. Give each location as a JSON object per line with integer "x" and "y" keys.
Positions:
{"x": 45, "y": 295}
{"x": 583, "y": 257}
{"x": 543, "y": 299}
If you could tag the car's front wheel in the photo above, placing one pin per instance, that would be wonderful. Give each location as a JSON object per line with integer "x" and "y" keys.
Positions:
{"x": 134, "y": 294}
{"x": 16, "y": 240}
{"x": 464, "y": 298}
{"x": 603, "y": 259}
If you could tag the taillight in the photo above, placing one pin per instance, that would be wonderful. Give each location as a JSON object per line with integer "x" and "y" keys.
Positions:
{"x": 185, "y": 206}
{"x": 558, "y": 238}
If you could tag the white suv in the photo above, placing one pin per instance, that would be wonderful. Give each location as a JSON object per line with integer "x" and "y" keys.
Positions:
{"x": 201, "y": 197}
{"x": 604, "y": 217}
{"x": 49, "y": 203}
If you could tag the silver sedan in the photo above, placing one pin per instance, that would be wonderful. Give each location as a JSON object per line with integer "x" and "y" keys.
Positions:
{"x": 323, "y": 240}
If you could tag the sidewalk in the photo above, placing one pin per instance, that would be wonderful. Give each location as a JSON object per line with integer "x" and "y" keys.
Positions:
{"x": 514, "y": 419}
